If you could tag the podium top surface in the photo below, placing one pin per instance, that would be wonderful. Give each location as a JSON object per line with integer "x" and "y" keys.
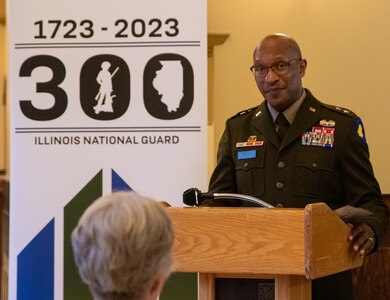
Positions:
{"x": 311, "y": 241}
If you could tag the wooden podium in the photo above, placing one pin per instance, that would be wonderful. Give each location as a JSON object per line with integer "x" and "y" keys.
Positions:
{"x": 291, "y": 246}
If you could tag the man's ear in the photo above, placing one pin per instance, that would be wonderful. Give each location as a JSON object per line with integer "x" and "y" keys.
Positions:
{"x": 302, "y": 67}
{"x": 156, "y": 287}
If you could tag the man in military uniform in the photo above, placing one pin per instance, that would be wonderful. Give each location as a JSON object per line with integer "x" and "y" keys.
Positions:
{"x": 293, "y": 150}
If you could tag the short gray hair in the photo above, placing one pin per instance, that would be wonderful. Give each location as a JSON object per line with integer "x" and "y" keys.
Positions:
{"x": 122, "y": 242}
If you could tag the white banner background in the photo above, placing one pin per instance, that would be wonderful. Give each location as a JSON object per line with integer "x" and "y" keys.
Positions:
{"x": 45, "y": 174}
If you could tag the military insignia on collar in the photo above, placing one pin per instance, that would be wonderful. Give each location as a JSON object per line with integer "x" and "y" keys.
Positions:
{"x": 312, "y": 109}
{"x": 328, "y": 123}
{"x": 360, "y": 129}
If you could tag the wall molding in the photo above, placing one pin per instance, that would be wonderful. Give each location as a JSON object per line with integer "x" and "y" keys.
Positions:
{"x": 215, "y": 39}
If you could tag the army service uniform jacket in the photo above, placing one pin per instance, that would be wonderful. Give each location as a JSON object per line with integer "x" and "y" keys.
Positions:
{"x": 323, "y": 158}
{"x": 336, "y": 171}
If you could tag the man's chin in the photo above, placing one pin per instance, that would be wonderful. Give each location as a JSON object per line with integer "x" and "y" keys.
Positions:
{"x": 277, "y": 103}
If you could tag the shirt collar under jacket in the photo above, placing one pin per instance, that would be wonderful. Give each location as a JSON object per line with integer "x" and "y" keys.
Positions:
{"x": 290, "y": 112}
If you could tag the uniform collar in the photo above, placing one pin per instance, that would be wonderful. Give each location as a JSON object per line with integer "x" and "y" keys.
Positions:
{"x": 290, "y": 112}
{"x": 307, "y": 114}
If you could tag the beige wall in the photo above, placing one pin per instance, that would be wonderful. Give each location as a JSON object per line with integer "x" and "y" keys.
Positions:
{"x": 346, "y": 43}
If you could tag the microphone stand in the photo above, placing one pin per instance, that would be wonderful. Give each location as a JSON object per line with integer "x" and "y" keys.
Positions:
{"x": 242, "y": 197}
{"x": 194, "y": 197}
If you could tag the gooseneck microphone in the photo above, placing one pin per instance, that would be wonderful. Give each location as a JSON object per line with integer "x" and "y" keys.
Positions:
{"x": 194, "y": 197}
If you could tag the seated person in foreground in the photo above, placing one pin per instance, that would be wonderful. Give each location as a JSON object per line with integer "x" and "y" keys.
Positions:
{"x": 122, "y": 247}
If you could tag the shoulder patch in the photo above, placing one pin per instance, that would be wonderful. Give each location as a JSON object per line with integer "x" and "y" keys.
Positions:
{"x": 340, "y": 110}
{"x": 244, "y": 112}
{"x": 360, "y": 129}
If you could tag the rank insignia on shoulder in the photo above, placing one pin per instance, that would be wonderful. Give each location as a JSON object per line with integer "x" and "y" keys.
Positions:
{"x": 319, "y": 136}
{"x": 241, "y": 113}
{"x": 328, "y": 123}
{"x": 360, "y": 129}
{"x": 339, "y": 109}
{"x": 346, "y": 111}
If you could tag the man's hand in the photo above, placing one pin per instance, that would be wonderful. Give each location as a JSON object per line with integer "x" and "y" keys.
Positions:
{"x": 362, "y": 237}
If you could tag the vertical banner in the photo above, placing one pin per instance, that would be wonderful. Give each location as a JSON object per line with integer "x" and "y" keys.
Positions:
{"x": 104, "y": 96}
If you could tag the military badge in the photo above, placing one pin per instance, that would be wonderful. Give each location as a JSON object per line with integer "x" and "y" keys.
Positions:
{"x": 316, "y": 136}
{"x": 252, "y": 138}
{"x": 319, "y": 136}
{"x": 328, "y": 123}
{"x": 360, "y": 129}
{"x": 251, "y": 142}
{"x": 328, "y": 137}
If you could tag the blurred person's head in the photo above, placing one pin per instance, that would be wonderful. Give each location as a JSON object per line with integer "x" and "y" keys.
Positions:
{"x": 122, "y": 247}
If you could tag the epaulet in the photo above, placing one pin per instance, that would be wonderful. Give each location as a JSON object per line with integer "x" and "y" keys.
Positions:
{"x": 340, "y": 110}
{"x": 244, "y": 112}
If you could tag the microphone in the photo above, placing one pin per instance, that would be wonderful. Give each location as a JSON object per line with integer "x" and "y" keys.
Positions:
{"x": 194, "y": 197}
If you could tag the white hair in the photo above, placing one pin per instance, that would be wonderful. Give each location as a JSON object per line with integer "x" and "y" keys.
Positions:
{"x": 122, "y": 242}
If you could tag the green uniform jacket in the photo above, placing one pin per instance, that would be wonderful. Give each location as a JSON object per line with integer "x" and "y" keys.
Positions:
{"x": 295, "y": 174}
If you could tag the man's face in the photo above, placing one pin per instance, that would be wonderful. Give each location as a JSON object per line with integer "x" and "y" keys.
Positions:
{"x": 280, "y": 89}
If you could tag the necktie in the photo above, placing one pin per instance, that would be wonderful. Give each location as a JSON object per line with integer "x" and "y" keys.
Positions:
{"x": 283, "y": 127}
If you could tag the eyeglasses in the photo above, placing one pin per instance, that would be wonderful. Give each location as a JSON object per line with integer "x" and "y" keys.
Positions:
{"x": 279, "y": 68}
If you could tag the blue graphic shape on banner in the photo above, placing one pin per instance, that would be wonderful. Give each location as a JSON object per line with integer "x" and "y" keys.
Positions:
{"x": 118, "y": 184}
{"x": 35, "y": 280}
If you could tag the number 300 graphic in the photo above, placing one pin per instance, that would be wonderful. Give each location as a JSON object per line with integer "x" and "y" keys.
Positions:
{"x": 105, "y": 85}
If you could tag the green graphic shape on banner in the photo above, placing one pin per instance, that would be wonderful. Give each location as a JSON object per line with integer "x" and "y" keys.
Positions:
{"x": 74, "y": 288}
{"x": 181, "y": 286}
